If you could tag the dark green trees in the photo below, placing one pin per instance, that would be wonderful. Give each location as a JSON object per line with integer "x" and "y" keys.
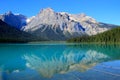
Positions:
{"x": 111, "y": 36}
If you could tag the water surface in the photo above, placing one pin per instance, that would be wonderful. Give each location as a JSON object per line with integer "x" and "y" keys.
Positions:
{"x": 58, "y": 61}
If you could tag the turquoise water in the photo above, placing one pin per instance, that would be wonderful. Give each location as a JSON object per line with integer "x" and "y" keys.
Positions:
{"x": 54, "y": 61}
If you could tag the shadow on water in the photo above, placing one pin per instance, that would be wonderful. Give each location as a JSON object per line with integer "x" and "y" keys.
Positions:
{"x": 52, "y": 62}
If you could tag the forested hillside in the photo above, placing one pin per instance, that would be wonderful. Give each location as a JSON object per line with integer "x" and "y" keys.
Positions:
{"x": 111, "y": 36}
{"x": 11, "y": 34}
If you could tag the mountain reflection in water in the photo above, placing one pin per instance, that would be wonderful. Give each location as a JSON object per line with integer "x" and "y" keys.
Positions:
{"x": 71, "y": 61}
{"x": 49, "y": 60}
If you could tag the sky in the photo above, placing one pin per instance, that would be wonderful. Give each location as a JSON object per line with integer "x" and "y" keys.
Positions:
{"x": 107, "y": 11}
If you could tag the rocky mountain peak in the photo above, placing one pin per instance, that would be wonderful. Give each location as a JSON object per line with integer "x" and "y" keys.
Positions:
{"x": 15, "y": 20}
{"x": 9, "y": 13}
{"x": 47, "y": 10}
{"x": 82, "y": 14}
{"x": 52, "y": 25}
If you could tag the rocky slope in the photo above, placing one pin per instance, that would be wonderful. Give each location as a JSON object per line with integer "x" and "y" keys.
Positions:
{"x": 52, "y": 25}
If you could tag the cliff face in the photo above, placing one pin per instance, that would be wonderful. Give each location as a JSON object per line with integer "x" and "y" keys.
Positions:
{"x": 53, "y": 25}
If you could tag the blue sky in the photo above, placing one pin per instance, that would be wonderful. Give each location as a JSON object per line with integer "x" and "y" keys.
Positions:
{"x": 107, "y": 11}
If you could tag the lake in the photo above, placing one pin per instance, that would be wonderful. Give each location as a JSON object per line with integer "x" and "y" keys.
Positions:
{"x": 59, "y": 61}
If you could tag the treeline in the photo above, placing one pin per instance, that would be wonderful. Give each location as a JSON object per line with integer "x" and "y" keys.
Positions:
{"x": 111, "y": 36}
{"x": 9, "y": 34}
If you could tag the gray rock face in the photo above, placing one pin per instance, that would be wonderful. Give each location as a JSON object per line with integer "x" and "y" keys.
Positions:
{"x": 15, "y": 20}
{"x": 61, "y": 26}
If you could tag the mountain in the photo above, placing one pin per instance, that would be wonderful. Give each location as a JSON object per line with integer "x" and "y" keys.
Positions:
{"x": 52, "y": 25}
{"x": 11, "y": 34}
{"x": 15, "y": 20}
{"x": 29, "y": 19}
{"x": 111, "y": 36}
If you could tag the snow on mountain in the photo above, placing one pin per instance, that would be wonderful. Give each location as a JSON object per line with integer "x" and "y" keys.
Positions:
{"x": 29, "y": 19}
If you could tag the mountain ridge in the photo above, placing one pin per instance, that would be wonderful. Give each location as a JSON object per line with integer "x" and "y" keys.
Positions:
{"x": 15, "y": 20}
{"x": 56, "y": 26}
{"x": 9, "y": 34}
{"x": 62, "y": 26}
